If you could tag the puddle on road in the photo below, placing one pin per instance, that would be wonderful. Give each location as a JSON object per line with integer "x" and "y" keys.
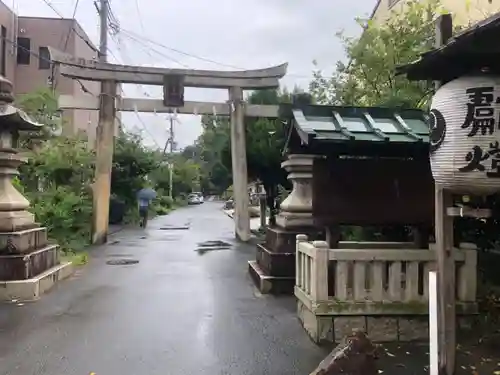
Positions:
{"x": 121, "y": 262}
{"x": 204, "y": 247}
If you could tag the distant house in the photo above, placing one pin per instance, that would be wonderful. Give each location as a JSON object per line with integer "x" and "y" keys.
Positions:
{"x": 25, "y": 61}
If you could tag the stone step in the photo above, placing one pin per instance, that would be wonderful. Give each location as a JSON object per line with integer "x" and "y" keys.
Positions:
{"x": 23, "y": 241}
{"x": 32, "y": 289}
{"x": 270, "y": 284}
{"x": 28, "y": 265}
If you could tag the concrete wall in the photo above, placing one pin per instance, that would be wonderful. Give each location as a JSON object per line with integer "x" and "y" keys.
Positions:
{"x": 465, "y": 12}
{"x": 45, "y": 32}
{"x": 85, "y": 122}
{"x": 60, "y": 34}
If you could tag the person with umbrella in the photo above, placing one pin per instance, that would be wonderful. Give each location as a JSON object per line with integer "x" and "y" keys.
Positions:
{"x": 144, "y": 198}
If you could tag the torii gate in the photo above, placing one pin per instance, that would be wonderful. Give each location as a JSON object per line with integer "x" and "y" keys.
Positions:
{"x": 173, "y": 82}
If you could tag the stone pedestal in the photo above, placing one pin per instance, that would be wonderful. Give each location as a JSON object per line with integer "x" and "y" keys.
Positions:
{"x": 29, "y": 265}
{"x": 274, "y": 268}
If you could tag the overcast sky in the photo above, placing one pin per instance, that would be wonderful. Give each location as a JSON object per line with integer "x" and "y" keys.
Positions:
{"x": 247, "y": 34}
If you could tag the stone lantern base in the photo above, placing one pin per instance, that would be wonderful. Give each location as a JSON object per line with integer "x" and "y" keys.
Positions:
{"x": 29, "y": 264}
{"x": 273, "y": 270}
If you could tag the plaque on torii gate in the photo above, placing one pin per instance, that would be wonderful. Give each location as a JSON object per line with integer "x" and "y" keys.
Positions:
{"x": 233, "y": 81}
{"x": 173, "y": 90}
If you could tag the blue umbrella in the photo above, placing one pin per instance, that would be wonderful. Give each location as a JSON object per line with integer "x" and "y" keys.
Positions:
{"x": 146, "y": 194}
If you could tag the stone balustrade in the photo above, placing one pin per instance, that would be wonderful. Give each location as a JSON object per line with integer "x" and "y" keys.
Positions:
{"x": 376, "y": 282}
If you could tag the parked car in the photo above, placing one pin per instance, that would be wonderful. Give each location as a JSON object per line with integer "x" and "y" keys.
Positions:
{"x": 193, "y": 199}
{"x": 200, "y": 196}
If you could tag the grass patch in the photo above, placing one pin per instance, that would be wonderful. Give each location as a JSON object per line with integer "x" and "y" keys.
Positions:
{"x": 79, "y": 258}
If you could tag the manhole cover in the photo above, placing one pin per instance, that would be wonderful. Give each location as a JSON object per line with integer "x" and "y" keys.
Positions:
{"x": 121, "y": 262}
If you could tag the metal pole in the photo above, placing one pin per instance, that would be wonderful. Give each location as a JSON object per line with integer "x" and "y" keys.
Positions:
{"x": 104, "y": 140}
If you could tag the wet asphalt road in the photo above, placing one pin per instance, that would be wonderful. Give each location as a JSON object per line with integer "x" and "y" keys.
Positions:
{"x": 178, "y": 311}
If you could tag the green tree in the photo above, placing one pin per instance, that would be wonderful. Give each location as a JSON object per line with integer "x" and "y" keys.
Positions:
{"x": 369, "y": 77}
{"x": 56, "y": 179}
{"x": 265, "y": 141}
{"x": 132, "y": 163}
{"x": 42, "y": 106}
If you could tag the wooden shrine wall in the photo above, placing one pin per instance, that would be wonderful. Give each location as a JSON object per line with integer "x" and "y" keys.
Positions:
{"x": 372, "y": 192}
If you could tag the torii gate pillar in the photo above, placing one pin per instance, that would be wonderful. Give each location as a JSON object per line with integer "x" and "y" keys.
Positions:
{"x": 239, "y": 165}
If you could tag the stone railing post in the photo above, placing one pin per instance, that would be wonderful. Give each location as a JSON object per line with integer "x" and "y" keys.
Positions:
{"x": 319, "y": 272}
{"x": 298, "y": 259}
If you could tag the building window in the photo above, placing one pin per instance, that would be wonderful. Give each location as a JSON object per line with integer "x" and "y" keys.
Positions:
{"x": 3, "y": 51}
{"x": 23, "y": 51}
{"x": 43, "y": 58}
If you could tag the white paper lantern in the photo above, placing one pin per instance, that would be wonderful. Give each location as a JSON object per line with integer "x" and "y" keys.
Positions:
{"x": 465, "y": 135}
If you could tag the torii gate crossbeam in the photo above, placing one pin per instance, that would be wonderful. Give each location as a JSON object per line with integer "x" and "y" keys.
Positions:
{"x": 234, "y": 81}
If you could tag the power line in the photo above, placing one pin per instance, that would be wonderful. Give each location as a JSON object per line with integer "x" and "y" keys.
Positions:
{"x": 75, "y": 8}
{"x": 137, "y": 36}
{"x": 139, "y": 15}
{"x": 131, "y": 33}
{"x": 137, "y": 40}
{"x": 87, "y": 42}
{"x": 146, "y": 129}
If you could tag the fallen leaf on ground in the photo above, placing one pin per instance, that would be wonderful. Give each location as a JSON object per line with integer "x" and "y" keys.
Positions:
{"x": 390, "y": 354}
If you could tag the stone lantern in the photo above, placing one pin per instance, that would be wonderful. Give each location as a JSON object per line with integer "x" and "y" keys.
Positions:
{"x": 29, "y": 265}
{"x": 274, "y": 267}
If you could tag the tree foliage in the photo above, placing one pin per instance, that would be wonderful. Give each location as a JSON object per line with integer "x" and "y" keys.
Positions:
{"x": 42, "y": 106}
{"x": 368, "y": 79}
{"x": 56, "y": 179}
{"x": 265, "y": 141}
{"x": 132, "y": 163}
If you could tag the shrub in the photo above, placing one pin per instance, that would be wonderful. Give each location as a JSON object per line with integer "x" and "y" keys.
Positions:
{"x": 165, "y": 201}
{"x": 66, "y": 214}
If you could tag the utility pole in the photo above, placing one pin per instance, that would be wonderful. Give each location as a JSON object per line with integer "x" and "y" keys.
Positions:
{"x": 171, "y": 164}
{"x": 104, "y": 140}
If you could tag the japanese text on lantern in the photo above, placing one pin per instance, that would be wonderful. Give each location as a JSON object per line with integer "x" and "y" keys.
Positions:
{"x": 481, "y": 120}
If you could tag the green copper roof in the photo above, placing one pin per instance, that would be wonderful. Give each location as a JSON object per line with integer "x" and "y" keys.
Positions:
{"x": 316, "y": 123}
